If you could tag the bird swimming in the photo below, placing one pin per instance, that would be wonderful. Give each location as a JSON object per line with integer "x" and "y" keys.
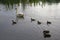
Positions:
{"x": 20, "y": 15}
{"x": 46, "y": 31}
{"x": 32, "y": 19}
{"x": 38, "y": 22}
{"x": 13, "y": 22}
{"x": 48, "y": 22}
{"x": 47, "y": 35}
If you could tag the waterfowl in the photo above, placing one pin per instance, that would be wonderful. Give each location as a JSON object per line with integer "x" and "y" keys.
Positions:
{"x": 38, "y": 22}
{"x": 47, "y": 35}
{"x": 32, "y": 19}
{"x": 13, "y": 22}
{"x": 46, "y": 31}
{"x": 20, "y": 15}
{"x": 48, "y": 22}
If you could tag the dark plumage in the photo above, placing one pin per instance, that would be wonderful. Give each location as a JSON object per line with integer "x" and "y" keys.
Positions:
{"x": 32, "y": 19}
{"x": 47, "y": 35}
{"x": 46, "y": 31}
{"x": 38, "y": 22}
{"x": 48, "y": 22}
{"x": 13, "y": 22}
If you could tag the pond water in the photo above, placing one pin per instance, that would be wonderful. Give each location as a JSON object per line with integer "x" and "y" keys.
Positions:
{"x": 25, "y": 29}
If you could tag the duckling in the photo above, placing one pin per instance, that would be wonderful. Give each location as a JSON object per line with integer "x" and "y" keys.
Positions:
{"x": 32, "y": 19}
{"x": 38, "y": 22}
{"x": 47, "y": 35}
{"x": 46, "y": 31}
{"x": 48, "y": 22}
{"x": 13, "y": 22}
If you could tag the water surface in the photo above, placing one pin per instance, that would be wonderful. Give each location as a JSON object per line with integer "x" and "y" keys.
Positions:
{"x": 25, "y": 29}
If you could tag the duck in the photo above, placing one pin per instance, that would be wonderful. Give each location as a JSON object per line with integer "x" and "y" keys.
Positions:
{"x": 38, "y": 22}
{"x": 48, "y": 22}
{"x": 47, "y": 35}
{"x": 32, "y": 19}
{"x": 13, "y": 22}
{"x": 46, "y": 31}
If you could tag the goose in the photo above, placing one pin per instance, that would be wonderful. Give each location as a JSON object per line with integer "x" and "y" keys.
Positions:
{"x": 13, "y": 22}
{"x": 48, "y": 22}
{"x": 32, "y": 19}
{"x": 38, "y": 22}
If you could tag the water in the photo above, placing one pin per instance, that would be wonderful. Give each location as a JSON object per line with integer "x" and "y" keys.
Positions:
{"x": 25, "y": 29}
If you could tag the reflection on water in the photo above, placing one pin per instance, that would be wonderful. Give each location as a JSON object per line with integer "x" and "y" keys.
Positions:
{"x": 10, "y": 3}
{"x": 24, "y": 29}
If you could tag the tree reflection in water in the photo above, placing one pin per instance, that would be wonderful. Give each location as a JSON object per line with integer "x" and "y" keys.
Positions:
{"x": 24, "y": 2}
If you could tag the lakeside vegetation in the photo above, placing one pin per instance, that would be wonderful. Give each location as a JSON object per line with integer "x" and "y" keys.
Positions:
{"x": 30, "y": 1}
{"x": 23, "y": 2}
